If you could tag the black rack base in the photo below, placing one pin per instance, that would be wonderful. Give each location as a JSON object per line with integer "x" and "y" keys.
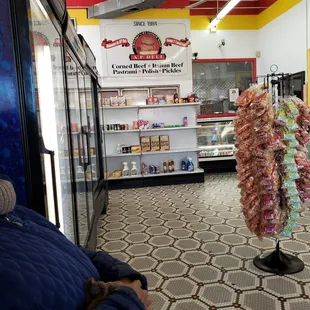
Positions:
{"x": 279, "y": 262}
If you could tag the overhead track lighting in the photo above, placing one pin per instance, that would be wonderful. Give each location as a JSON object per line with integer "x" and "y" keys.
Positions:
{"x": 225, "y": 10}
{"x": 196, "y": 4}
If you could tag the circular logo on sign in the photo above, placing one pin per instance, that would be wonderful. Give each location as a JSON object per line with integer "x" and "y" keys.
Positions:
{"x": 147, "y": 43}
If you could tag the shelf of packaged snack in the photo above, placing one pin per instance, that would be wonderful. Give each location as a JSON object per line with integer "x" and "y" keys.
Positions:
{"x": 152, "y": 106}
{"x": 125, "y": 178}
{"x": 171, "y": 151}
{"x": 170, "y": 128}
{"x": 206, "y": 147}
{"x": 151, "y": 129}
{"x": 216, "y": 158}
{"x": 122, "y": 155}
{"x": 177, "y": 172}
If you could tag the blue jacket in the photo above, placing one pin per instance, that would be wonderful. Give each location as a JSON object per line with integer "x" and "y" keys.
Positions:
{"x": 41, "y": 269}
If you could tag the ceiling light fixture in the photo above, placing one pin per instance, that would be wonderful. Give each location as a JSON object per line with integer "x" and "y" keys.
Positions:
{"x": 225, "y": 10}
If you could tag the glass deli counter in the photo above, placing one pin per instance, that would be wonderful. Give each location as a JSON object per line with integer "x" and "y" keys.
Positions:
{"x": 216, "y": 138}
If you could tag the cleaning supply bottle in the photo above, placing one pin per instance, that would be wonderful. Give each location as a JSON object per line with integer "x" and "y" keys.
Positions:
{"x": 134, "y": 170}
{"x": 190, "y": 164}
{"x": 125, "y": 172}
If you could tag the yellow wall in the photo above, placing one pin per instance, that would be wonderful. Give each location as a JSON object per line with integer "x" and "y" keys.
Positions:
{"x": 230, "y": 22}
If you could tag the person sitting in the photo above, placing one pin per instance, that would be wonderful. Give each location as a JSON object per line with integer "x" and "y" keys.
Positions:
{"x": 41, "y": 269}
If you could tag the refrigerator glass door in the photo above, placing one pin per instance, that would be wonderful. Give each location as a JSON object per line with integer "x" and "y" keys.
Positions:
{"x": 80, "y": 160}
{"x": 49, "y": 77}
{"x": 87, "y": 137}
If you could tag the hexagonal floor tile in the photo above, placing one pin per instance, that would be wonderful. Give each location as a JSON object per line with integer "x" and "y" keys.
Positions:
{"x": 170, "y": 216}
{"x": 298, "y": 305}
{"x": 143, "y": 263}
{"x": 205, "y": 274}
{"x": 206, "y": 236}
{"x": 213, "y": 220}
{"x": 132, "y": 213}
{"x": 188, "y": 305}
{"x": 215, "y": 248}
{"x": 114, "y": 218}
{"x": 133, "y": 220}
{"x": 228, "y": 215}
{"x": 195, "y": 258}
{"x": 294, "y": 246}
{"x": 139, "y": 249}
{"x": 175, "y": 224}
{"x": 172, "y": 269}
{"x": 157, "y": 230}
{"x": 219, "y": 208}
{"x": 187, "y": 244}
{"x": 245, "y": 251}
{"x": 301, "y": 276}
{"x": 159, "y": 300}
{"x": 236, "y": 223}
{"x": 233, "y": 239}
{"x": 305, "y": 258}
{"x": 153, "y": 222}
{"x": 137, "y": 238}
{"x": 114, "y": 226}
{"x": 198, "y": 226}
{"x": 282, "y": 287}
{"x": 167, "y": 253}
{"x": 179, "y": 288}
{"x": 228, "y": 262}
{"x": 134, "y": 228}
{"x": 191, "y": 218}
{"x": 180, "y": 233}
{"x": 114, "y": 246}
{"x": 264, "y": 244}
{"x": 259, "y": 300}
{"x": 218, "y": 295}
{"x": 241, "y": 279}
{"x": 161, "y": 241}
{"x": 185, "y": 211}
{"x": 115, "y": 235}
{"x": 205, "y": 213}
{"x": 222, "y": 229}
{"x": 244, "y": 231}
{"x": 154, "y": 280}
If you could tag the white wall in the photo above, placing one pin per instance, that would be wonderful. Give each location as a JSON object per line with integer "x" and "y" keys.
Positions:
{"x": 238, "y": 44}
{"x": 91, "y": 35}
{"x": 284, "y": 42}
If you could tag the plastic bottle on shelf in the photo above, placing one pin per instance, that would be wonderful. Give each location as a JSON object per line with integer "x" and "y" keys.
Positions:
{"x": 134, "y": 170}
{"x": 190, "y": 164}
{"x": 80, "y": 173}
{"x": 125, "y": 172}
{"x": 185, "y": 121}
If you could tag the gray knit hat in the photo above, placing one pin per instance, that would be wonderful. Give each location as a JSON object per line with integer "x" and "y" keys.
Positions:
{"x": 7, "y": 196}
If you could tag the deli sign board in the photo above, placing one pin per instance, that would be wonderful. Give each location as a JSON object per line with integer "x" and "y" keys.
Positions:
{"x": 146, "y": 49}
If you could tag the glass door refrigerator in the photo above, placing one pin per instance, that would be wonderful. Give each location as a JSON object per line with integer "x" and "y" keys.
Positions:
{"x": 58, "y": 108}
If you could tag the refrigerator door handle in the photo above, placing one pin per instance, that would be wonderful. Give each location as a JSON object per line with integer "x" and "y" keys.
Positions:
{"x": 79, "y": 149}
{"x": 52, "y": 156}
{"x": 85, "y": 131}
{"x": 44, "y": 150}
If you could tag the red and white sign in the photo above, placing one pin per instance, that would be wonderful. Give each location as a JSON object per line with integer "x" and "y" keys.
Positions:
{"x": 146, "y": 48}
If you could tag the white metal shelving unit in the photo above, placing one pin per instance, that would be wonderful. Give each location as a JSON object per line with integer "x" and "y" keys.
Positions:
{"x": 183, "y": 140}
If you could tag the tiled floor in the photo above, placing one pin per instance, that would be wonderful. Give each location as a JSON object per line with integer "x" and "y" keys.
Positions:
{"x": 192, "y": 244}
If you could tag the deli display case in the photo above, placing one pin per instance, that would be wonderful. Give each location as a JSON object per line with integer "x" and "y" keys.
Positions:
{"x": 216, "y": 138}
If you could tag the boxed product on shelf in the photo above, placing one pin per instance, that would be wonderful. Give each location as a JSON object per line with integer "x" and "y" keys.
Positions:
{"x": 155, "y": 146}
{"x": 117, "y": 174}
{"x": 145, "y": 144}
{"x": 164, "y": 143}
{"x": 136, "y": 149}
{"x": 75, "y": 153}
{"x": 114, "y": 101}
{"x": 170, "y": 99}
